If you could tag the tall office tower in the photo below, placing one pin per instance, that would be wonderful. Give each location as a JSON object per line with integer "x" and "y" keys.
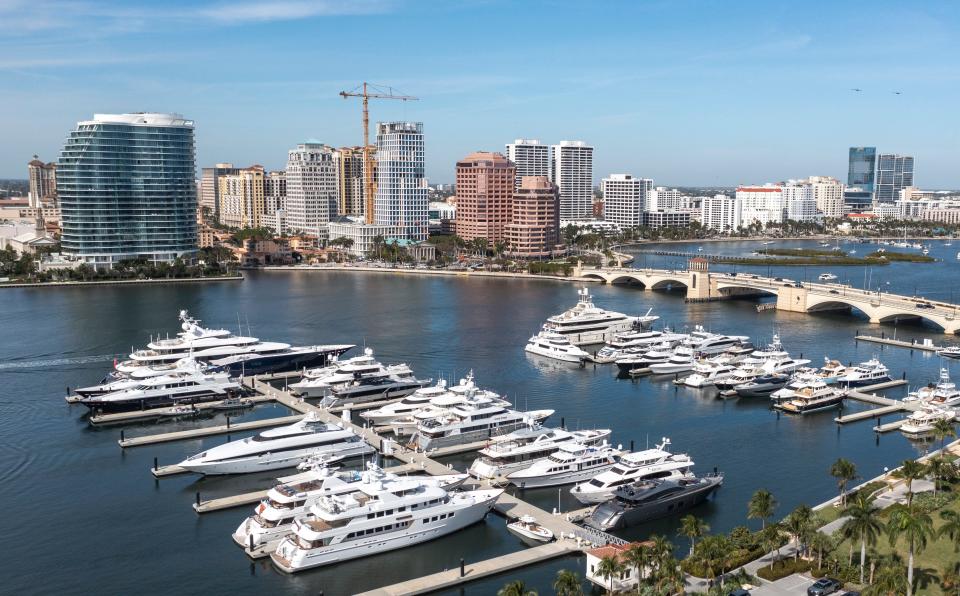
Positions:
{"x": 275, "y": 191}
{"x": 242, "y": 198}
{"x": 534, "y": 228}
{"x": 894, "y": 173}
{"x": 210, "y": 186}
{"x": 311, "y": 189}
{"x": 799, "y": 203}
{"x": 401, "y": 199}
{"x": 485, "y": 185}
{"x": 666, "y": 199}
{"x": 127, "y": 190}
{"x": 350, "y": 197}
{"x": 720, "y": 213}
{"x": 43, "y": 183}
{"x": 625, "y": 198}
{"x": 862, "y": 168}
{"x": 571, "y": 164}
{"x": 828, "y": 195}
{"x": 531, "y": 157}
{"x": 760, "y": 204}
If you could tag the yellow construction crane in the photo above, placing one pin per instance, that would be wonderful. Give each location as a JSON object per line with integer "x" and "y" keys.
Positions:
{"x": 379, "y": 93}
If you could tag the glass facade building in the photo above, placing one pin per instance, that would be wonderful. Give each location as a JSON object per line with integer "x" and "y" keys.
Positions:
{"x": 863, "y": 167}
{"x": 894, "y": 173}
{"x": 127, "y": 189}
{"x": 401, "y": 197}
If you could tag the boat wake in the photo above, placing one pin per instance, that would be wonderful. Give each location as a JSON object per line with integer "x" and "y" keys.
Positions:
{"x": 26, "y": 364}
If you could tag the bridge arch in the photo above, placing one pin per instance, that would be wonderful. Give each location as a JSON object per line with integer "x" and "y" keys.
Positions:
{"x": 938, "y": 322}
{"x": 627, "y": 279}
{"x": 595, "y": 275}
{"x": 731, "y": 290}
{"x": 669, "y": 284}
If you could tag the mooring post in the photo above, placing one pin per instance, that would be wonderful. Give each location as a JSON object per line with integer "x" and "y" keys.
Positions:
{"x": 228, "y": 421}
{"x": 198, "y": 499}
{"x": 631, "y": 445}
{"x": 154, "y": 463}
{"x": 121, "y": 436}
{"x": 463, "y": 570}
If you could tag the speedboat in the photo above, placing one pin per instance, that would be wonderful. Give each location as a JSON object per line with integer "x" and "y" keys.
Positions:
{"x": 529, "y": 531}
{"x": 921, "y": 422}
{"x": 571, "y": 462}
{"x": 866, "y": 373}
{"x": 555, "y": 345}
{"x": 585, "y": 323}
{"x": 952, "y": 352}
{"x": 470, "y": 423}
{"x": 293, "y": 495}
{"x": 640, "y": 465}
{"x": 827, "y": 277}
{"x": 813, "y": 397}
{"x": 377, "y": 516}
{"x": 276, "y": 448}
{"x": 524, "y": 447}
{"x": 167, "y": 390}
{"x": 649, "y": 499}
{"x": 944, "y": 393}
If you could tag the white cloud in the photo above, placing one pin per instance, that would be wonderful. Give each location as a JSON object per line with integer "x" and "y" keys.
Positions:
{"x": 258, "y": 11}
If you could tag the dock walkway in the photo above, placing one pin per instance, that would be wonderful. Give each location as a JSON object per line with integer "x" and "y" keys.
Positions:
{"x": 182, "y": 435}
{"x": 141, "y": 415}
{"x": 911, "y": 345}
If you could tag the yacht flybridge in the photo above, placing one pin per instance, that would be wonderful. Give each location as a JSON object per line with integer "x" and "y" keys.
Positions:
{"x": 640, "y": 465}
{"x": 555, "y": 345}
{"x": 944, "y": 393}
{"x": 380, "y": 514}
{"x": 586, "y": 323}
{"x": 524, "y": 447}
{"x": 472, "y": 422}
{"x": 164, "y": 390}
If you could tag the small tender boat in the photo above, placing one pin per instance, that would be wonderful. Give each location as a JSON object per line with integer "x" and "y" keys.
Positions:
{"x": 529, "y": 531}
{"x": 177, "y": 411}
{"x": 827, "y": 277}
{"x": 232, "y": 403}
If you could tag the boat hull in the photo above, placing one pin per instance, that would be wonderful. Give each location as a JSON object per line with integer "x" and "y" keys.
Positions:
{"x": 571, "y": 477}
{"x": 276, "y": 461}
{"x": 614, "y": 515}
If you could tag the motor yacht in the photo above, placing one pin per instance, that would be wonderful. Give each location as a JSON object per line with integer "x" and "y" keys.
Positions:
{"x": 523, "y": 447}
{"x": 586, "y": 324}
{"x": 704, "y": 343}
{"x": 866, "y": 373}
{"x": 762, "y": 386}
{"x": 657, "y": 355}
{"x": 378, "y": 516}
{"x": 277, "y": 448}
{"x": 336, "y": 363}
{"x": 814, "y": 396}
{"x": 465, "y": 393}
{"x": 832, "y": 371}
{"x": 635, "y": 342}
{"x": 472, "y": 422}
{"x": 398, "y": 383}
{"x": 322, "y": 381}
{"x": 952, "y": 352}
{"x": 741, "y": 376}
{"x": 827, "y": 277}
{"x": 943, "y": 393}
{"x": 293, "y": 495}
{"x": 921, "y": 422}
{"x": 571, "y": 462}
{"x": 555, "y": 345}
{"x": 274, "y": 357}
{"x": 706, "y": 373}
{"x": 194, "y": 337}
{"x": 682, "y": 360}
{"x": 407, "y": 406}
{"x": 165, "y": 390}
{"x": 650, "y": 499}
{"x": 181, "y": 368}
{"x": 529, "y": 531}
{"x": 650, "y": 463}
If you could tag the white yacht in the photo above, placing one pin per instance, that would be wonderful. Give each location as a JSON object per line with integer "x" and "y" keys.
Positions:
{"x": 866, "y": 373}
{"x": 681, "y": 360}
{"x": 194, "y": 337}
{"x": 324, "y": 381}
{"x": 553, "y": 344}
{"x": 524, "y": 447}
{"x": 707, "y": 372}
{"x": 704, "y": 343}
{"x": 571, "y": 462}
{"x": 335, "y": 364}
{"x": 952, "y": 352}
{"x": 529, "y": 531}
{"x": 587, "y": 324}
{"x": 120, "y": 382}
{"x": 640, "y": 465}
{"x": 399, "y": 382}
{"x": 741, "y": 376}
{"x": 463, "y": 394}
{"x": 378, "y": 516}
{"x": 921, "y": 422}
{"x": 469, "y": 423}
{"x": 815, "y": 396}
{"x": 657, "y": 355}
{"x": 832, "y": 371}
{"x": 276, "y": 448}
{"x": 165, "y": 390}
{"x": 634, "y": 342}
{"x": 407, "y": 406}
{"x": 827, "y": 277}
{"x": 293, "y": 495}
{"x": 944, "y": 393}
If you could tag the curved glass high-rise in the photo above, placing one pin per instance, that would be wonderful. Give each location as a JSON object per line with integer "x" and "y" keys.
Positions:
{"x": 127, "y": 189}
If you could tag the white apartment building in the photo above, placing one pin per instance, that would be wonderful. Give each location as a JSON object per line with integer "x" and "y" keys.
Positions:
{"x": 720, "y": 213}
{"x": 531, "y": 157}
{"x": 760, "y": 204}
{"x": 571, "y": 169}
{"x": 401, "y": 199}
{"x": 828, "y": 195}
{"x": 311, "y": 189}
{"x": 798, "y": 199}
{"x": 625, "y": 199}
{"x": 666, "y": 199}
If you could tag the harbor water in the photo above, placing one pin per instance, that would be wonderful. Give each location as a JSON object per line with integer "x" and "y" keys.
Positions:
{"x": 84, "y": 516}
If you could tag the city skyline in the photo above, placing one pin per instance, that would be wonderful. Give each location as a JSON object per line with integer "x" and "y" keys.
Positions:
{"x": 667, "y": 91}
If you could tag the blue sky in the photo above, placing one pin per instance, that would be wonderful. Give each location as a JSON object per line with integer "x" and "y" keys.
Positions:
{"x": 685, "y": 92}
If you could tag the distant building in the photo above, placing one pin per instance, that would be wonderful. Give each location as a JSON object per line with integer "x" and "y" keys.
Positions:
{"x": 534, "y": 228}
{"x": 242, "y": 198}
{"x": 856, "y": 199}
{"x": 666, "y": 199}
{"x": 799, "y": 202}
{"x": 828, "y": 195}
{"x": 441, "y": 217}
{"x": 43, "y": 184}
{"x": 210, "y": 187}
{"x": 401, "y": 198}
{"x": 350, "y": 180}
{"x": 667, "y": 219}
{"x": 311, "y": 189}
{"x": 720, "y": 213}
{"x": 126, "y": 188}
{"x": 571, "y": 169}
{"x": 894, "y": 173}
{"x": 627, "y": 580}
{"x": 625, "y": 198}
{"x": 760, "y": 204}
{"x": 274, "y": 214}
{"x": 861, "y": 171}
{"x": 485, "y": 187}
{"x": 530, "y": 156}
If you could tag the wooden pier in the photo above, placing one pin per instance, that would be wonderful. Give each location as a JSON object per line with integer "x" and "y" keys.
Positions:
{"x": 196, "y": 433}
{"x": 884, "y": 428}
{"x": 141, "y": 415}
{"x": 911, "y": 345}
{"x": 886, "y": 405}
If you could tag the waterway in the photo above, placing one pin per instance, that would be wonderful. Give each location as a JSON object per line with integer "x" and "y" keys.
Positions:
{"x": 84, "y": 517}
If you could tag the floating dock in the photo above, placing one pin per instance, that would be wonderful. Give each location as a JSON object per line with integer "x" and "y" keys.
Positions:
{"x": 141, "y": 415}
{"x": 911, "y": 345}
{"x": 195, "y": 433}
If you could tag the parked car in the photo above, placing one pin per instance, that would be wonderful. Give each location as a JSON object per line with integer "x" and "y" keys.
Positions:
{"x": 739, "y": 592}
{"x": 824, "y": 586}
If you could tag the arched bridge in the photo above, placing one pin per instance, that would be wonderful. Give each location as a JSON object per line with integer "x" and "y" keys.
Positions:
{"x": 793, "y": 296}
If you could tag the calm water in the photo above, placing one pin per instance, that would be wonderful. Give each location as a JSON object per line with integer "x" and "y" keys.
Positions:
{"x": 82, "y": 516}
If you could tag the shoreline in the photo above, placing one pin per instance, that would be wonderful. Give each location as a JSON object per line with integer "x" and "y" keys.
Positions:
{"x": 435, "y": 272}
{"x": 117, "y": 282}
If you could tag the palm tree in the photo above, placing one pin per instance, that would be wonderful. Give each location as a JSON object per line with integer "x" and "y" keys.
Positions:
{"x": 637, "y": 556}
{"x": 662, "y": 548}
{"x": 568, "y": 583}
{"x": 888, "y": 581}
{"x": 770, "y": 539}
{"x": 799, "y": 524}
{"x": 950, "y": 580}
{"x": 608, "y": 568}
{"x": 516, "y": 588}
{"x": 844, "y": 471}
{"x": 941, "y": 469}
{"x": 916, "y": 528}
{"x": 670, "y": 576}
{"x": 863, "y": 524}
{"x": 762, "y": 505}
{"x": 909, "y": 471}
{"x": 950, "y": 527}
{"x": 821, "y": 543}
{"x": 692, "y": 527}
{"x": 943, "y": 428}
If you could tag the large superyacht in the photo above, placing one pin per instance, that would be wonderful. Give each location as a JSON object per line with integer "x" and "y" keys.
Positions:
{"x": 586, "y": 323}
{"x": 524, "y": 447}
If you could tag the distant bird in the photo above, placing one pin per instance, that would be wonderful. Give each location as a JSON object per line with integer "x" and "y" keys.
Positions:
{"x": 857, "y": 90}
{"x": 896, "y": 92}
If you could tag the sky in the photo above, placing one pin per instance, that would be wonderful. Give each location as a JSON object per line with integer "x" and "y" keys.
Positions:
{"x": 689, "y": 93}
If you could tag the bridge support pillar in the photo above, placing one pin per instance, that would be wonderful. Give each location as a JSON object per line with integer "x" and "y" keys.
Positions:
{"x": 792, "y": 298}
